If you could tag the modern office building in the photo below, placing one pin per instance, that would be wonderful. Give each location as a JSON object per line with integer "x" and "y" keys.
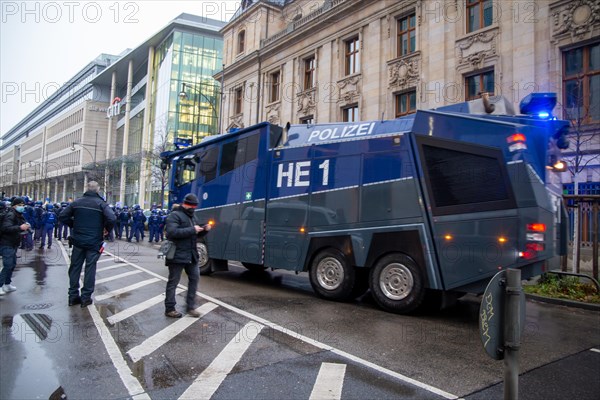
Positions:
{"x": 110, "y": 124}
{"x": 44, "y": 155}
{"x": 307, "y": 61}
{"x": 164, "y": 95}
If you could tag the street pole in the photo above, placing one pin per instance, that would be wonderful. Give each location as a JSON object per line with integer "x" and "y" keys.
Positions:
{"x": 221, "y": 100}
{"x": 512, "y": 334}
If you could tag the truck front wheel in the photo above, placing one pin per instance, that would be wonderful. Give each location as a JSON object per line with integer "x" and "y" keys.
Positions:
{"x": 331, "y": 276}
{"x": 397, "y": 284}
{"x": 204, "y": 262}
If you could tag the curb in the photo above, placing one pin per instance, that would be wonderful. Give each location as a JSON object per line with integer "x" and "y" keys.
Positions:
{"x": 564, "y": 302}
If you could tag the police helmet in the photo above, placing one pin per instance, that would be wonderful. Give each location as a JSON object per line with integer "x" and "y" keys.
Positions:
{"x": 49, "y": 206}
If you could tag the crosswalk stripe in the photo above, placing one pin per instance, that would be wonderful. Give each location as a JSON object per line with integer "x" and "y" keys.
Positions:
{"x": 128, "y": 312}
{"x": 329, "y": 382}
{"x": 115, "y": 277}
{"x": 105, "y": 260}
{"x": 110, "y": 267}
{"x": 126, "y": 289}
{"x": 133, "y": 386}
{"x": 158, "y": 339}
{"x": 207, "y": 383}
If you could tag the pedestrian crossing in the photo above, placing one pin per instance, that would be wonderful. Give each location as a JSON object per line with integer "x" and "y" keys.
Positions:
{"x": 191, "y": 345}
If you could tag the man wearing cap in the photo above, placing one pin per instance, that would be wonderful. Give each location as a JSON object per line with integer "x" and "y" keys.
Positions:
{"x": 13, "y": 226}
{"x": 183, "y": 230}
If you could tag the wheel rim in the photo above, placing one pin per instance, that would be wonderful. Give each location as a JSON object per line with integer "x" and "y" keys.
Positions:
{"x": 396, "y": 281}
{"x": 203, "y": 255}
{"x": 330, "y": 273}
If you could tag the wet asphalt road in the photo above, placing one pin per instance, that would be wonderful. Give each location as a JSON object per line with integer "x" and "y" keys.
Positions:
{"x": 289, "y": 337}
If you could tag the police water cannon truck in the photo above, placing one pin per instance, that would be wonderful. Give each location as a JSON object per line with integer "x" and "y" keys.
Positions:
{"x": 428, "y": 206}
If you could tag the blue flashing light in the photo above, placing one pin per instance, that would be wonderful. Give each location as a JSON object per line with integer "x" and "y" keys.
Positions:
{"x": 540, "y": 104}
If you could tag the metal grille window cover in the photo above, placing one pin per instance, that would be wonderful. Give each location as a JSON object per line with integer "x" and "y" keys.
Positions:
{"x": 464, "y": 178}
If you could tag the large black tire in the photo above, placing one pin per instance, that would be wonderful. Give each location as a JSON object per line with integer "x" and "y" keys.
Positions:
{"x": 255, "y": 268}
{"x": 204, "y": 262}
{"x": 397, "y": 284}
{"x": 331, "y": 276}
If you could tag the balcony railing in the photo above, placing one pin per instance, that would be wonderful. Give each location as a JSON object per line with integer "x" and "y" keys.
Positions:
{"x": 327, "y": 6}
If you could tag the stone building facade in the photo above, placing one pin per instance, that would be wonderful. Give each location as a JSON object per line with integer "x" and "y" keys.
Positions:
{"x": 316, "y": 61}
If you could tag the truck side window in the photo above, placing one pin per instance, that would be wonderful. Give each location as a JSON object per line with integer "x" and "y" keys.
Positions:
{"x": 186, "y": 171}
{"x": 235, "y": 154}
{"x": 208, "y": 164}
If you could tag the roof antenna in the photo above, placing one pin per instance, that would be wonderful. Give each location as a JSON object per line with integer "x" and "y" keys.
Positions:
{"x": 382, "y": 114}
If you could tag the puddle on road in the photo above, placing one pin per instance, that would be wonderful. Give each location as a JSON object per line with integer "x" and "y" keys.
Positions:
{"x": 27, "y": 373}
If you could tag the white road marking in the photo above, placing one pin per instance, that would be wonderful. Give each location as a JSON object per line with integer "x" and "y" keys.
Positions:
{"x": 126, "y": 289}
{"x": 133, "y": 386}
{"x": 207, "y": 383}
{"x": 105, "y": 260}
{"x": 158, "y": 339}
{"x": 110, "y": 267}
{"x": 329, "y": 382}
{"x": 115, "y": 277}
{"x": 128, "y": 312}
{"x": 306, "y": 339}
{"x": 595, "y": 350}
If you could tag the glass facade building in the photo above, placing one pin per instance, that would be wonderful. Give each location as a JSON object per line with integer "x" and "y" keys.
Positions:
{"x": 168, "y": 96}
{"x": 185, "y": 63}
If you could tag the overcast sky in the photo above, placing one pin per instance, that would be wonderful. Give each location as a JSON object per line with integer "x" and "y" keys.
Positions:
{"x": 44, "y": 43}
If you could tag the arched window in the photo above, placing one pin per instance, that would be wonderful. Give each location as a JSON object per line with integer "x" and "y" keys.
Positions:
{"x": 241, "y": 42}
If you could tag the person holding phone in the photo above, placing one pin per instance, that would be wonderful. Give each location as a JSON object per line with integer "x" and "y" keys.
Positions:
{"x": 183, "y": 230}
{"x": 12, "y": 229}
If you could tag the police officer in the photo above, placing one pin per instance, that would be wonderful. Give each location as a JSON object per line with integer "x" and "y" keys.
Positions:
{"x": 124, "y": 219}
{"x": 137, "y": 227}
{"x": 153, "y": 226}
{"x": 48, "y": 222}
{"x": 38, "y": 213}
{"x": 117, "y": 227}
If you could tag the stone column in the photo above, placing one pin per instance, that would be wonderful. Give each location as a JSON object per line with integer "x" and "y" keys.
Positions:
{"x": 113, "y": 89}
{"x": 126, "y": 130}
{"x": 147, "y": 141}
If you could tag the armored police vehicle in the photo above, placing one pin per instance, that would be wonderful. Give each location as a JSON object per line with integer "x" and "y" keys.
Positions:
{"x": 433, "y": 203}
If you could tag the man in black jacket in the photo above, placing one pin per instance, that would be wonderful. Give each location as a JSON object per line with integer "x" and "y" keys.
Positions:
{"x": 89, "y": 217}
{"x": 184, "y": 231}
{"x": 11, "y": 230}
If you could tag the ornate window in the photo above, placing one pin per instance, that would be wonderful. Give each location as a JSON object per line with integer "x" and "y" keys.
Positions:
{"x": 241, "y": 42}
{"x": 350, "y": 114}
{"x": 479, "y": 14}
{"x": 352, "y": 62}
{"x": 239, "y": 96}
{"x": 479, "y": 83}
{"x": 407, "y": 35}
{"x": 275, "y": 83}
{"x": 308, "y": 120}
{"x": 310, "y": 65}
{"x": 406, "y": 103}
{"x": 581, "y": 83}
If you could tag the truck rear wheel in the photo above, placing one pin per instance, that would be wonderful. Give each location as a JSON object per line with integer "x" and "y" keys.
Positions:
{"x": 397, "y": 284}
{"x": 331, "y": 276}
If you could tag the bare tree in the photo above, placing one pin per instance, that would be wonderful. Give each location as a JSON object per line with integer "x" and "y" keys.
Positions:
{"x": 580, "y": 152}
{"x": 160, "y": 145}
